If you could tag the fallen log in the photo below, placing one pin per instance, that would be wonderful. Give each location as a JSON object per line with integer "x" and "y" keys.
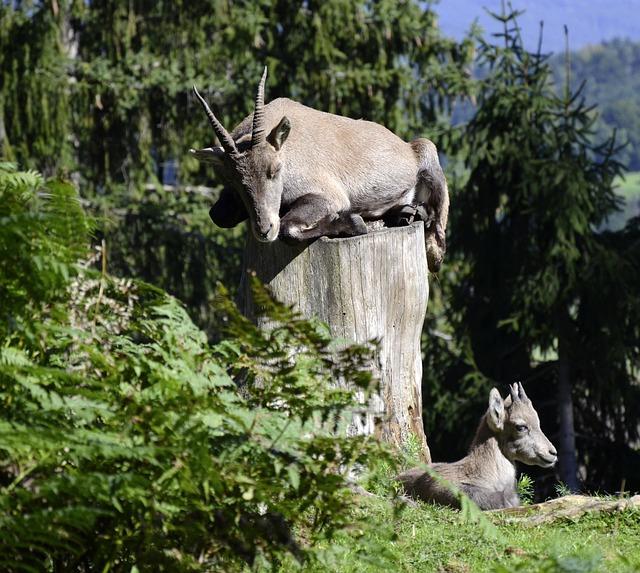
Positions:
{"x": 569, "y": 507}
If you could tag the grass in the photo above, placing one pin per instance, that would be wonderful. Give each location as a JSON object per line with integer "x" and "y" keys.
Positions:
{"x": 387, "y": 538}
{"x": 429, "y": 538}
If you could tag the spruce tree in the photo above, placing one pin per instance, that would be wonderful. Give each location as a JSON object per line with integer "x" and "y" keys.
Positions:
{"x": 526, "y": 228}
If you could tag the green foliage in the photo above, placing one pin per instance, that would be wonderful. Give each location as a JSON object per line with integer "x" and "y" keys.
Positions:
{"x": 34, "y": 97}
{"x": 611, "y": 71}
{"x": 124, "y": 442}
{"x": 43, "y": 231}
{"x": 380, "y": 479}
{"x": 433, "y": 539}
{"x": 167, "y": 239}
{"x": 115, "y": 78}
{"x": 562, "y": 489}
{"x": 525, "y": 489}
{"x": 589, "y": 561}
{"x": 103, "y": 90}
{"x": 529, "y": 273}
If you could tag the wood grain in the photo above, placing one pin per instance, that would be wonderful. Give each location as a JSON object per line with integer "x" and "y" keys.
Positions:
{"x": 370, "y": 287}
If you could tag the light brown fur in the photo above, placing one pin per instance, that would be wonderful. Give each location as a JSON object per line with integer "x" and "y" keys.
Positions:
{"x": 329, "y": 170}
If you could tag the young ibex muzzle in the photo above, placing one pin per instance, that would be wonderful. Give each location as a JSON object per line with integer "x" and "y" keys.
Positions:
{"x": 298, "y": 173}
{"x": 509, "y": 432}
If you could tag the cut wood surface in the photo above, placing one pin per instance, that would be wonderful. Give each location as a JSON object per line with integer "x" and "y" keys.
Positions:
{"x": 567, "y": 507}
{"x": 369, "y": 287}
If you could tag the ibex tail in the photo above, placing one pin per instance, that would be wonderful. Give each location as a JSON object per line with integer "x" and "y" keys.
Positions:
{"x": 432, "y": 192}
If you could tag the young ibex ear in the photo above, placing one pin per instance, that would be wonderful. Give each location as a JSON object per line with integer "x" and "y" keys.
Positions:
{"x": 495, "y": 417}
{"x": 279, "y": 133}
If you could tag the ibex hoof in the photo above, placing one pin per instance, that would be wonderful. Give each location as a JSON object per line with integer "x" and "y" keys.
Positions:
{"x": 359, "y": 227}
{"x": 400, "y": 216}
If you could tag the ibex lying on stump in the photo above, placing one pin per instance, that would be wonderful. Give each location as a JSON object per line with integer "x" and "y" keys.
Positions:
{"x": 508, "y": 432}
{"x": 299, "y": 173}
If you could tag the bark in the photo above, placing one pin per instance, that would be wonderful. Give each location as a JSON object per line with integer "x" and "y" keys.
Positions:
{"x": 373, "y": 286}
{"x": 567, "y": 507}
{"x": 567, "y": 458}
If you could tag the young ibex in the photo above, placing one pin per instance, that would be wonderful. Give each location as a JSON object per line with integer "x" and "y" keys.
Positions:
{"x": 508, "y": 432}
{"x": 301, "y": 173}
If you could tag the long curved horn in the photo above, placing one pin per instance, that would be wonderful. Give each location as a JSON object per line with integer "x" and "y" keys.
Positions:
{"x": 257, "y": 132}
{"x": 223, "y": 135}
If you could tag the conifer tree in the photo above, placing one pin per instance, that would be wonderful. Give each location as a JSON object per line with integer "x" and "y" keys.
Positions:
{"x": 526, "y": 226}
{"x": 102, "y": 90}
{"x": 122, "y": 72}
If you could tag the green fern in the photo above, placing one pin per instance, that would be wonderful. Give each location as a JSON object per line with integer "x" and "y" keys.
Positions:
{"x": 124, "y": 442}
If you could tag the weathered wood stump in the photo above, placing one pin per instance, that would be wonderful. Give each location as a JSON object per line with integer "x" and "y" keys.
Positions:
{"x": 567, "y": 507}
{"x": 373, "y": 286}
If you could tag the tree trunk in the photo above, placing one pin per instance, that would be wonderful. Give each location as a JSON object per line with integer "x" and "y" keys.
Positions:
{"x": 373, "y": 286}
{"x": 568, "y": 463}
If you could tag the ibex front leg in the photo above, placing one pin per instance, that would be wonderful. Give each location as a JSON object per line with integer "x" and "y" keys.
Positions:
{"x": 313, "y": 216}
{"x": 228, "y": 210}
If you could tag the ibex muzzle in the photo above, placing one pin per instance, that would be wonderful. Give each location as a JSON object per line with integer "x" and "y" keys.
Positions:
{"x": 300, "y": 174}
{"x": 508, "y": 432}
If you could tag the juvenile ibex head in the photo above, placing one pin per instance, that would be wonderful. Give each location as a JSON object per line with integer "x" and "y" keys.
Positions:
{"x": 255, "y": 168}
{"x": 517, "y": 428}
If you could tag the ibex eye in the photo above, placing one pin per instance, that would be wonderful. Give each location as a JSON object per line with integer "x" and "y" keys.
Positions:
{"x": 521, "y": 428}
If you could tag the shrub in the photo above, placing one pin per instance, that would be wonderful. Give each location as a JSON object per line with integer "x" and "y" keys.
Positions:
{"x": 124, "y": 443}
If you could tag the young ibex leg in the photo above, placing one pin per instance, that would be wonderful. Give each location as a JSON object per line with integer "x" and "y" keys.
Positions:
{"x": 313, "y": 216}
{"x": 228, "y": 211}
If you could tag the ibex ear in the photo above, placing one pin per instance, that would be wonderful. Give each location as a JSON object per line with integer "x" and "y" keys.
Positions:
{"x": 495, "y": 414}
{"x": 279, "y": 133}
{"x": 209, "y": 155}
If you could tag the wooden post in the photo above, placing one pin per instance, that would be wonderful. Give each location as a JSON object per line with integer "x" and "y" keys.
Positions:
{"x": 373, "y": 286}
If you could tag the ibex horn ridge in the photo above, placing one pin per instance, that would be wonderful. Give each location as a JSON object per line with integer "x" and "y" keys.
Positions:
{"x": 223, "y": 135}
{"x": 257, "y": 132}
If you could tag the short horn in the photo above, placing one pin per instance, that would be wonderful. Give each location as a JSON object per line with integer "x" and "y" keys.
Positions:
{"x": 223, "y": 135}
{"x": 521, "y": 392}
{"x": 257, "y": 133}
{"x": 513, "y": 391}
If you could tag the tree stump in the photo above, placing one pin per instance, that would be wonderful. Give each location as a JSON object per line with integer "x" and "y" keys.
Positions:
{"x": 370, "y": 287}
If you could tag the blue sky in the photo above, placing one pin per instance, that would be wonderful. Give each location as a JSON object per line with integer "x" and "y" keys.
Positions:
{"x": 589, "y": 21}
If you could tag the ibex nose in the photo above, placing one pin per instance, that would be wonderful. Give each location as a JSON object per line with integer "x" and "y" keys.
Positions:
{"x": 553, "y": 451}
{"x": 265, "y": 234}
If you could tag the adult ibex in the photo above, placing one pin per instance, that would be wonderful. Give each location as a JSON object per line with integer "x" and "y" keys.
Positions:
{"x": 508, "y": 432}
{"x": 301, "y": 173}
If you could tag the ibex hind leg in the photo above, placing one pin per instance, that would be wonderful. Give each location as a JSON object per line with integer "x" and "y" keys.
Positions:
{"x": 313, "y": 216}
{"x": 433, "y": 194}
{"x": 404, "y": 215}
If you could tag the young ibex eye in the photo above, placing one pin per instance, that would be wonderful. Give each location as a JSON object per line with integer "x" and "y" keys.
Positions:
{"x": 521, "y": 427}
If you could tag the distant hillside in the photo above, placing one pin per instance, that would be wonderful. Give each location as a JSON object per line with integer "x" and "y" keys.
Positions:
{"x": 589, "y": 22}
{"x": 612, "y": 74}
